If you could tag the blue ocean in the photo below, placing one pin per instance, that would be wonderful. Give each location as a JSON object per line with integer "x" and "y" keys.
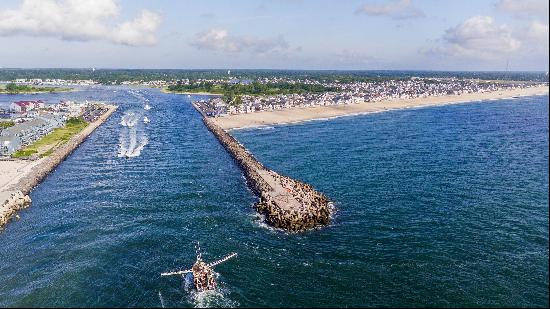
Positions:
{"x": 440, "y": 206}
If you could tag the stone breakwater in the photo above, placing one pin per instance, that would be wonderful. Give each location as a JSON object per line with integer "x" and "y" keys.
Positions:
{"x": 16, "y": 196}
{"x": 13, "y": 201}
{"x": 285, "y": 202}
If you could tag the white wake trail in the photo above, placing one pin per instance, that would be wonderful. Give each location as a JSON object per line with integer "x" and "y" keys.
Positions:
{"x": 132, "y": 136}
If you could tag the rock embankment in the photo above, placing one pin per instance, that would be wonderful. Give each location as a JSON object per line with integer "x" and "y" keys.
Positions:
{"x": 9, "y": 205}
{"x": 12, "y": 202}
{"x": 286, "y": 203}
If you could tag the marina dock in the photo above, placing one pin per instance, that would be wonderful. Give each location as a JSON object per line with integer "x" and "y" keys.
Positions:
{"x": 285, "y": 202}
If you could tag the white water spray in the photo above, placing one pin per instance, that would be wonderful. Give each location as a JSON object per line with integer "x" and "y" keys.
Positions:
{"x": 133, "y": 137}
{"x": 161, "y": 300}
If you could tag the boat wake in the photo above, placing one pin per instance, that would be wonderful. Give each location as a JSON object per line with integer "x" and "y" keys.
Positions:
{"x": 138, "y": 95}
{"x": 211, "y": 298}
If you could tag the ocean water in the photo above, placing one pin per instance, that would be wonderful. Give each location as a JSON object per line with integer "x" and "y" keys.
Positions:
{"x": 440, "y": 206}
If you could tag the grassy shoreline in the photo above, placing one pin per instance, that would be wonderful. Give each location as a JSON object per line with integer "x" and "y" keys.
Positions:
{"x": 53, "y": 90}
{"x": 26, "y": 89}
{"x": 4, "y": 124}
{"x": 59, "y": 136}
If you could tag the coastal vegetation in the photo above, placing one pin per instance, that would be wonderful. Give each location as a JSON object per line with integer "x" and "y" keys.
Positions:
{"x": 6, "y": 124}
{"x": 232, "y": 92}
{"x": 59, "y": 136}
{"x": 13, "y": 88}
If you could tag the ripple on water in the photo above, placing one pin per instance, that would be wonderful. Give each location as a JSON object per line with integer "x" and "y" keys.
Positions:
{"x": 445, "y": 206}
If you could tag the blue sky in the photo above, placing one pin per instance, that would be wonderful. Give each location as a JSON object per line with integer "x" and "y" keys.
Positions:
{"x": 276, "y": 34}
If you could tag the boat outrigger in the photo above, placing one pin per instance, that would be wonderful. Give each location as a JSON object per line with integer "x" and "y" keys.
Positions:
{"x": 203, "y": 274}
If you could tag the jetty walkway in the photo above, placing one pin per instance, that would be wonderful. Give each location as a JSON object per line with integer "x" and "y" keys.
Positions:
{"x": 286, "y": 203}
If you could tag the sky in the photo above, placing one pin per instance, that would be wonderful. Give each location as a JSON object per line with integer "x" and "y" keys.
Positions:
{"x": 472, "y": 35}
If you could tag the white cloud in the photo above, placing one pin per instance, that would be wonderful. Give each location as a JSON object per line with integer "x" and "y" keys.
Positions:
{"x": 478, "y": 37}
{"x": 482, "y": 43}
{"x": 217, "y": 39}
{"x": 398, "y": 9}
{"x": 538, "y": 31}
{"x": 80, "y": 20}
{"x": 524, "y": 8}
{"x": 535, "y": 38}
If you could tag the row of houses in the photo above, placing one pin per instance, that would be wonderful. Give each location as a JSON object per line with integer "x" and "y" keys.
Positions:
{"x": 25, "y": 133}
{"x": 26, "y": 106}
{"x": 357, "y": 92}
{"x": 33, "y": 120}
{"x": 54, "y": 82}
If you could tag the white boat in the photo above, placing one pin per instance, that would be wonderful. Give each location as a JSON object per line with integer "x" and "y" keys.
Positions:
{"x": 146, "y": 120}
{"x": 147, "y": 107}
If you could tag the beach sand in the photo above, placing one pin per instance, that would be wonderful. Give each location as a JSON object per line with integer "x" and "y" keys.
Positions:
{"x": 299, "y": 114}
{"x": 11, "y": 171}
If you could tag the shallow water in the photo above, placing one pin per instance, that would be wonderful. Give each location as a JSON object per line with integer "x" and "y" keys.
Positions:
{"x": 439, "y": 206}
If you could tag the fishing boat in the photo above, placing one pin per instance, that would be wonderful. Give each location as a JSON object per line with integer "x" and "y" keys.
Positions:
{"x": 202, "y": 272}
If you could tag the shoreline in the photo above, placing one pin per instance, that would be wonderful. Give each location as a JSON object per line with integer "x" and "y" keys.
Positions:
{"x": 301, "y": 114}
{"x": 37, "y": 92}
{"x": 19, "y": 177}
{"x": 60, "y": 90}
{"x": 164, "y": 90}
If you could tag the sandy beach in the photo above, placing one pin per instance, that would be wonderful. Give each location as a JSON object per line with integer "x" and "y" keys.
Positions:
{"x": 11, "y": 171}
{"x": 292, "y": 115}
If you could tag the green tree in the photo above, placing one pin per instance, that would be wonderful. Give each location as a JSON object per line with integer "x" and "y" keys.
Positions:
{"x": 11, "y": 87}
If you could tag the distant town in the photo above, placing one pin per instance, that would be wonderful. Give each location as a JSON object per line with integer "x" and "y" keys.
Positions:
{"x": 353, "y": 93}
{"x": 25, "y": 122}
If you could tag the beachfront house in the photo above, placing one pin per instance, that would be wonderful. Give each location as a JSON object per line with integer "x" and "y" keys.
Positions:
{"x": 26, "y": 106}
{"x": 220, "y": 107}
{"x": 9, "y": 145}
{"x": 28, "y": 132}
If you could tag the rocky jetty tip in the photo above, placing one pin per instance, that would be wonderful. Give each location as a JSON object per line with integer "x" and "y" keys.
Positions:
{"x": 285, "y": 202}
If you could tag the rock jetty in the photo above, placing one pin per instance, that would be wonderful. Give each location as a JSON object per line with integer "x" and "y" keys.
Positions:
{"x": 285, "y": 202}
{"x": 12, "y": 202}
{"x": 16, "y": 196}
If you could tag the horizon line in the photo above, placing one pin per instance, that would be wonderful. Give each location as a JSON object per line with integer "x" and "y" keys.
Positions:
{"x": 269, "y": 69}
